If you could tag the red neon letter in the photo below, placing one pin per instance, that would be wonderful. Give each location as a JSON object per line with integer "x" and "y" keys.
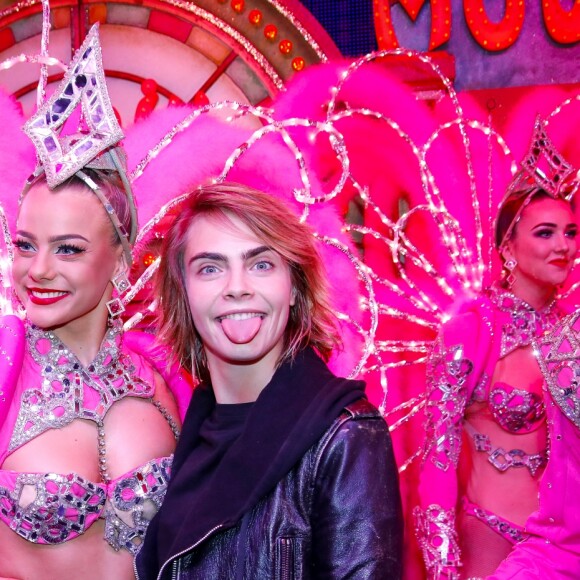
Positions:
{"x": 491, "y": 35}
{"x": 562, "y": 25}
{"x": 440, "y": 21}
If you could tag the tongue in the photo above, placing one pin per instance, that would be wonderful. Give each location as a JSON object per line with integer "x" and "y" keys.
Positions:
{"x": 241, "y": 331}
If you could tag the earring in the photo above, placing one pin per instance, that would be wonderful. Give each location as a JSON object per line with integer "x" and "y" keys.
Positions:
{"x": 121, "y": 284}
{"x": 510, "y": 266}
{"x": 115, "y": 307}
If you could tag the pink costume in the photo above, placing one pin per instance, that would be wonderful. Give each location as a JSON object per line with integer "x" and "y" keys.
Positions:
{"x": 45, "y": 387}
{"x": 552, "y": 550}
{"x": 459, "y": 374}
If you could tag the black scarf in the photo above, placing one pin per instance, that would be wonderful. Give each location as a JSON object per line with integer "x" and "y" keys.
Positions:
{"x": 291, "y": 414}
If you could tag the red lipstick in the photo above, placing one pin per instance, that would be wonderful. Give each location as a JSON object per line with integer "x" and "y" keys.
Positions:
{"x": 51, "y": 296}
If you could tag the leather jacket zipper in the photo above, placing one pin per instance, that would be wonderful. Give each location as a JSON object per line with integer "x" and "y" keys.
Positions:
{"x": 173, "y": 576}
{"x": 286, "y": 559}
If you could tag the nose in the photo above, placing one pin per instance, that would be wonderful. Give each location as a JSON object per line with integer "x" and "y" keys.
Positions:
{"x": 41, "y": 267}
{"x": 238, "y": 284}
{"x": 561, "y": 243}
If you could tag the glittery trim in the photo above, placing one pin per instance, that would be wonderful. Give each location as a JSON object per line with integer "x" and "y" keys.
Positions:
{"x": 437, "y": 538}
{"x": 296, "y": 23}
{"x": 447, "y": 372}
{"x": 525, "y": 324}
{"x": 510, "y": 532}
{"x": 61, "y": 397}
{"x": 559, "y": 358}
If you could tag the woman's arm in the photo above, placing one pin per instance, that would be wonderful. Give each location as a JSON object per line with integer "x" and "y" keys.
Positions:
{"x": 12, "y": 343}
{"x": 356, "y": 520}
{"x": 449, "y": 374}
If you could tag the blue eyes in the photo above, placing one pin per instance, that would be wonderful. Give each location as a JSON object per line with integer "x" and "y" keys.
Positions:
{"x": 63, "y": 249}
{"x": 69, "y": 250}
{"x": 208, "y": 270}
{"x": 549, "y": 233}
{"x": 264, "y": 265}
{"x": 23, "y": 246}
{"x": 261, "y": 266}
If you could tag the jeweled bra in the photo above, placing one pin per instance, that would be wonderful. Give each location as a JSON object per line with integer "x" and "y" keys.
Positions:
{"x": 516, "y": 410}
{"x": 65, "y": 505}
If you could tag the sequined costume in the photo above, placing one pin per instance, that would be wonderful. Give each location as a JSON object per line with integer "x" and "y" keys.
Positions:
{"x": 552, "y": 550}
{"x": 45, "y": 387}
{"x": 459, "y": 375}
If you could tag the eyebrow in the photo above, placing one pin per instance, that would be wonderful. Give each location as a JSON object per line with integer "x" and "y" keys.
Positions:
{"x": 214, "y": 256}
{"x": 53, "y": 239}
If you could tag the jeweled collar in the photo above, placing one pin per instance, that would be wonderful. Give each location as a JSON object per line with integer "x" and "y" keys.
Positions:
{"x": 523, "y": 323}
{"x": 51, "y": 354}
{"x": 70, "y": 391}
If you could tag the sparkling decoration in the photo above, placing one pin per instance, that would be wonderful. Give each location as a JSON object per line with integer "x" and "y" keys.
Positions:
{"x": 255, "y": 17}
{"x": 285, "y": 46}
{"x": 560, "y": 365}
{"x": 238, "y": 6}
{"x": 298, "y": 63}
{"x": 270, "y": 31}
{"x": 148, "y": 259}
{"x": 249, "y": 49}
{"x": 84, "y": 83}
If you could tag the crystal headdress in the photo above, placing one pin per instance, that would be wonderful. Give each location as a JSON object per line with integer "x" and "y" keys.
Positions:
{"x": 61, "y": 157}
{"x": 543, "y": 169}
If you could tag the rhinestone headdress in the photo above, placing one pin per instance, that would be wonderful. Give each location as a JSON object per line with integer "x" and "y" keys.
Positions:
{"x": 94, "y": 148}
{"x": 543, "y": 169}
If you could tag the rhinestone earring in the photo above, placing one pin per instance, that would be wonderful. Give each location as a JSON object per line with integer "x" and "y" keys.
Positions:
{"x": 510, "y": 266}
{"x": 121, "y": 284}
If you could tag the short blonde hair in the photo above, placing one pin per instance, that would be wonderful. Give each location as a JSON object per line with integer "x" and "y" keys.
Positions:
{"x": 312, "y": 321}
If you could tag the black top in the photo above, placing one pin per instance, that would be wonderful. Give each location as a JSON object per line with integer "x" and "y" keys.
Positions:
{"x": 290, "y": 415}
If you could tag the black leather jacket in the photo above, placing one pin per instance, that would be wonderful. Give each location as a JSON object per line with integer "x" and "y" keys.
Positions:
{"x": 337, "y": 514}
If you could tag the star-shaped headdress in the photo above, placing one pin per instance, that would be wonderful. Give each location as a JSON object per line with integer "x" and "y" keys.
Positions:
{"x": 542, "y": 169}
{"x": 61, "y": 157}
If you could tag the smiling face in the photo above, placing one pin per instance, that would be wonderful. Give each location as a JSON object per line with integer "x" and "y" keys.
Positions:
{"x": 544, "y": 246}
{"x": 239, "y": 292}
{"x": 64, "y": 259}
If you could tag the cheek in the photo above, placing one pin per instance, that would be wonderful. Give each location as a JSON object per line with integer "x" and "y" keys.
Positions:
{"x": 197, "y": 302}
{"x": 18, "y": 268}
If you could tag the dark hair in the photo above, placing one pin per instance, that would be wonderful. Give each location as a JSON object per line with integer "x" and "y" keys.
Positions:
{"x": 511, "y": 209}
{"x": 312, "y": 321}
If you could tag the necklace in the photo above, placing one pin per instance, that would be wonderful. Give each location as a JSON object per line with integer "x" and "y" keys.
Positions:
{"x": 71, "y": 391}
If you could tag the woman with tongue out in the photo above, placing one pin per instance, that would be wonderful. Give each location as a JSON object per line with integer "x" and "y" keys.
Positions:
{"x": 283, "y": 470}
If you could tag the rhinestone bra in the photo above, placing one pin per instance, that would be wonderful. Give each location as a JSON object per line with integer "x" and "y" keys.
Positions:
{"x": 65, "y": 506}
{"x": 516, "y": 410}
